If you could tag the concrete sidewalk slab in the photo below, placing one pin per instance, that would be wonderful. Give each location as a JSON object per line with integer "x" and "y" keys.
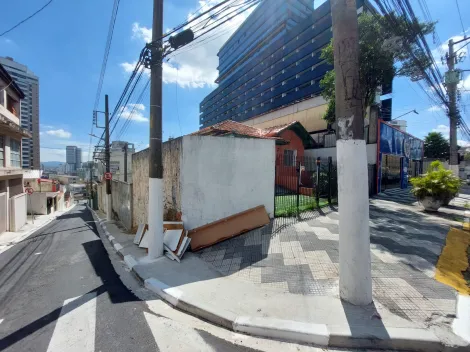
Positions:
{"x": 198, "y": 288}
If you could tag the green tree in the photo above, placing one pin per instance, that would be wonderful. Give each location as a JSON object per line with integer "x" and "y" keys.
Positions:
{"x": 381, "y": 57}
{"x": 436, "y": 146}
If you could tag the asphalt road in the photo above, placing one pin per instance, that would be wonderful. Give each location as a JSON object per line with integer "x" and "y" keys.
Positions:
{"x": 59, "y": 292}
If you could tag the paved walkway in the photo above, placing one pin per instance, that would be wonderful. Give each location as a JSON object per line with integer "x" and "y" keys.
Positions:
{"x": 303, "y": 258}
{"x": 281, "y": 281}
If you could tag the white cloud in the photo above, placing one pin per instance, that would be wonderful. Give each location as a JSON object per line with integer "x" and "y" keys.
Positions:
{"x": 194, "y": 66}
{"x": 442, "y": 129}
{"x": 142, "y": 33}
{"x": 464, "y": 85}
{"x": 60, "y": 133}
{"x": 439, "y": 52}
{"x": 436, "y": 108}
{"x": 463, "y": 143}
{"x": 134, "y": 112}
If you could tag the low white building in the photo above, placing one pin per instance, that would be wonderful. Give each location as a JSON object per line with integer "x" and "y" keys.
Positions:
{"x": 119, "y": 151}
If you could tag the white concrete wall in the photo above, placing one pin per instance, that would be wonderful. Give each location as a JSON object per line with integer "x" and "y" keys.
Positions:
{"x": 17, "y": 212}
{"x": 222, "y": 176}
{"x": 324, "y": 153}
{"x": 37, "y": 203}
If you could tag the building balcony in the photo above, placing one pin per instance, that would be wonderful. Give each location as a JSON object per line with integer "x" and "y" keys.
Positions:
{"x": 11, "y": 171}
{"x": 9, "y": 127}
{"x": 10, "y": 114}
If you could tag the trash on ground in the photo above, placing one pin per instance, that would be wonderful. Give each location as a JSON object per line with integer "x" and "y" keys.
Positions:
{"x": 234, "y": 225}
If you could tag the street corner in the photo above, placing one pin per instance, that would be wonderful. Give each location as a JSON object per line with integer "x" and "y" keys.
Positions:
{"x": 452, "y": 268}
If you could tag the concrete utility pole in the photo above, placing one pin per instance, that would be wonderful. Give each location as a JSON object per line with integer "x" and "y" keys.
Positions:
{"x": 155, "y": 209}
{"x": 109, "y": 205}
{"x": 125, "y": 161}
{"x": 355, "y": 282}
{"x": 453, "y": 115}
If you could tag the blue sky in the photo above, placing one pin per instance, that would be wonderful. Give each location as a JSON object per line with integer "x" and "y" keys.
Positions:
{"x": 64, "y": 46}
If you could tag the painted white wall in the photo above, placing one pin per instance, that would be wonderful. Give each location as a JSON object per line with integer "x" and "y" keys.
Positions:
{"x": 324, "y": 153}
{"x": 222, "y": 176}
{"x": 17, "y": 212}
{"x": 37, "y": 202}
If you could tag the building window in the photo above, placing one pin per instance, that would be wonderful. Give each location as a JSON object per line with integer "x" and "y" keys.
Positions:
{"x": 15, "y": 149}
{"x": 289, "y": 157}
{"x": 2, "y": 151}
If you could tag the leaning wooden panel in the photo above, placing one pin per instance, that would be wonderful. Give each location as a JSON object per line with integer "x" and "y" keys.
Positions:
{"x": 229, "y": 227}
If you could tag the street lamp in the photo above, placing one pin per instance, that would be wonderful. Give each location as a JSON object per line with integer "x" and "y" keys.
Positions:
{"x": 409, "y": 112}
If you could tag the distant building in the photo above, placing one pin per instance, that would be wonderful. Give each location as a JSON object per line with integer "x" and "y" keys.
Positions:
{"x": 401, "y": 124}
{"x": 78, "y": 158}
{"x": 117, "y": 157}
{"x": 29, "y": 84}
{"x": 12, "y": 197}
{"x": 73, "y": 159}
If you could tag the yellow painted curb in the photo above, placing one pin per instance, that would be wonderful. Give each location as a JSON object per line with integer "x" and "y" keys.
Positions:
{"x": 453, "y": 260}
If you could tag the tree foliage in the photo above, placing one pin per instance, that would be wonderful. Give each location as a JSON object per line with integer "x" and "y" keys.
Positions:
{"x": 436, "y": 146}
{"x": 381, "y": 57}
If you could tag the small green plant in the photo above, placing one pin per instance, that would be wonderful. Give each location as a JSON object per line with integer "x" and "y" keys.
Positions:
{"x": 437, "y": 182}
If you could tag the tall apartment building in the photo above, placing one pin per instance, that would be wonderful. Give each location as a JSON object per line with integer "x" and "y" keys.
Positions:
{"x": 270, "y": 68}
{"x": 73, "y": 158}
{"x": 29, "y": 113}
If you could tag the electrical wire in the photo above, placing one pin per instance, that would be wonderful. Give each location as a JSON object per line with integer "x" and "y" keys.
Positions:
{"x": 112, "y": 23}
{"x": 460, "y": 16}
{"x": 26, "y": 19}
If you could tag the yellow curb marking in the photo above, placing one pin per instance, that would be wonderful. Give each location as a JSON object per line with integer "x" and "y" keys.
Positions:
{"x": 453, "y": 260}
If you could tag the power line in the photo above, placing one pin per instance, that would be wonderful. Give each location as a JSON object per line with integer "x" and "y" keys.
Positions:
{"x": 460, "y": 16}
{"x": 109, "y": 39}
{"x": 26, "y": 19}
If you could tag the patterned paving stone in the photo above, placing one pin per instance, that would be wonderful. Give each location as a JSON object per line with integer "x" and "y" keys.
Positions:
{"x": 301, "y": 257}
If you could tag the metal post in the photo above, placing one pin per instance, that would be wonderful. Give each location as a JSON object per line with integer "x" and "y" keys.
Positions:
{"x": 297, "y": 170}
{"x": 355, "y": 282}
{"x": 155, "y": 209}
{"x": 125, "y": 162}
{"x": 91, "y": 185}
{"x": 330, "y": 167}
{"x": 107, "y": 160}
{"x": 453, "y": 116}
{"x": 317, "y": 190}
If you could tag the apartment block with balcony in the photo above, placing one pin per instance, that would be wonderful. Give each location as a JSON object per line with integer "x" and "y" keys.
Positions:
{"x": 12, "y": 196}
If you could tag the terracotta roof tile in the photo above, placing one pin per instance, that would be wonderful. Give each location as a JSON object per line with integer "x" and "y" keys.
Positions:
{"x": 233, "y": 127}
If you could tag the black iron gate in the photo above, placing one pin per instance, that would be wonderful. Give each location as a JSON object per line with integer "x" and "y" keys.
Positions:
{"x": 303, "y": 184}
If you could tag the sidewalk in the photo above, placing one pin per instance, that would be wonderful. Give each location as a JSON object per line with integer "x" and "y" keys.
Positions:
{"x": 8, "y": 239}
{"x": 281, "y": 281}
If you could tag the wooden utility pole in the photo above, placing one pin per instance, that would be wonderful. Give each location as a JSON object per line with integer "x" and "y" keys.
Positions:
{"x": 155, "y": 209}
{"x": 354, "y": 241}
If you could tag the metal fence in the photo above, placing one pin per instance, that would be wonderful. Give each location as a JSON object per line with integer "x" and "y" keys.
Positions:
{"x": 303, "y": 184}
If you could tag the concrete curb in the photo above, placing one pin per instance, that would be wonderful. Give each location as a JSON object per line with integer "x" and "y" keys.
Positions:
{"x": 406, "y": 339}
{"x": 461, "y": 324}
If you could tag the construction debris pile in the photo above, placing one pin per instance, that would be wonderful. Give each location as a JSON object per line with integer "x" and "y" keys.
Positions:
{"x": 175, "y": 239}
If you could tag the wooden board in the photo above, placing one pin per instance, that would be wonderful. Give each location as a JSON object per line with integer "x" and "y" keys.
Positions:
{"x": 229, "y": 227}
{"x": 173, "y": 225}
{"x": 144, "y": 243}
{"x": 140, "y": 231}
